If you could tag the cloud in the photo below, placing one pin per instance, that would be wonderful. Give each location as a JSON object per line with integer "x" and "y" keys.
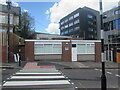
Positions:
{"x": 3, "y": 2}
{"x": 64, "y": 7}
{"x": 53, "y": 28}
{"x": 15, "y": 4}
{"x": 25, "y": 10}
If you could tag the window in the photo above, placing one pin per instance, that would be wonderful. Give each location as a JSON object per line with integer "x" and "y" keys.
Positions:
{"x": 77, "y": 28}
{"x": 66, "y": 26}
{"x": 77, "y": 21}
{"x": 66, "y": 32}
{"x": 116, "y": 12}
{"x": 90, "y": 29}
{"x": 66, "y": 20}
{"x": 71, "y": 30}
{"x": 90, "y": 48}
{"x": 62, "y": 23}
{"x": 85, "y": 49}
{"x": 48, "y": 49}
{"x": 70, "y": 24}
{"x": 89, "y": 16}
{"x": 2, "y": 19}
{"x": 81, "y": 48}
{"x": 62, "y": 27}
{"x": 116, "y": 24}
{"x": 57, "y": 48}
{"x": 76, "y": 15}
{"x": 39, "y": 48}
{"x": 71, "y": 18}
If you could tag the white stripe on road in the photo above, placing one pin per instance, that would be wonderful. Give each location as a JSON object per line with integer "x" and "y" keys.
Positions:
{"x": 36, "y": 77}
{"x": 95, "y": 69}
{"x": 117, "y": 75}
{"x": 3, "y": 69}
{"x": 20, "y": 73}
{"x": 29, "y": 83}
{"x": 109, "y": 72}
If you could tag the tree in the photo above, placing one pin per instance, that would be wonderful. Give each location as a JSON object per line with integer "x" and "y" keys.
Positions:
{"x": 26, "y": 27}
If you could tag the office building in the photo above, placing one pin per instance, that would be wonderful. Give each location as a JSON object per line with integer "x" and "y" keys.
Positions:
{"x": 112, "y": 32}
{"x": 82, "y": 23}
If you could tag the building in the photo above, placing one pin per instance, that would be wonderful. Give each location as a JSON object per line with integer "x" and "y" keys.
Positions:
{"x": 111, "y": 22}
{"x": 15, "y": 13}
{"x": 81, "y": 23}
{"x": 63, "y": 50}
{"x": 44, "y": 36}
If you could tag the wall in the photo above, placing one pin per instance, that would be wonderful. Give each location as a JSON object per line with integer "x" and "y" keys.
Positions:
{"x": 48, "y": 57}
{"x": 29, "y": 50}
{"x": 86, "y": 57}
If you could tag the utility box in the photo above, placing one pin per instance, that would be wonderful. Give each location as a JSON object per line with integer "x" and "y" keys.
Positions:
{"x": 118, "y": 55}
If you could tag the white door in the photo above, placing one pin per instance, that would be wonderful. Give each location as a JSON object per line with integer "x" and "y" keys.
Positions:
{"x": 74, "y": 53}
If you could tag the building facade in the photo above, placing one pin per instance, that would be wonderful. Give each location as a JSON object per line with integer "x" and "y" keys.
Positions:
{"x": 111, "y": 22}
{"x": 81, "y": 23}
{"x": 15, "y": 13}
{"x": 63, "y": 50}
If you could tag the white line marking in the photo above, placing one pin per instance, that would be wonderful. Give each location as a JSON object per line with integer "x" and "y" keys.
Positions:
{"x": 109, "y": 72}
{"x": 95, "y": 69}
{"x": 36, "y": 77}
{"x": 29, "y": 83}
{"x": 36, "y": 73}
{"x": 117, "y": 75}
{"x": 3, "y": 69}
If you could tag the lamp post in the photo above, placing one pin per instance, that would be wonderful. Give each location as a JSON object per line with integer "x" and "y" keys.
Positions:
{"x": 103, "y": 77}
{"x": 8, "y": 31}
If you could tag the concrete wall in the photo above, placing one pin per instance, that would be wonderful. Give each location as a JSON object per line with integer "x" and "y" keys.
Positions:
{"x": 48, "y": 57}
{"x": 86, "y": 57}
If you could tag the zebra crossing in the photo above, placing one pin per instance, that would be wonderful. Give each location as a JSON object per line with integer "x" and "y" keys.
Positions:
{"x": 33, "y": 77}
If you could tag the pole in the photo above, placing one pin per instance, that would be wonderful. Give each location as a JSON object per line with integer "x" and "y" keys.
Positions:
{"x": 103, "y": 77}
{"x": 8, "y": 31}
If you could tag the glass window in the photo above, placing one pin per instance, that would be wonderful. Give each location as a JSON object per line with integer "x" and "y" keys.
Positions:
{"x": 2, "y": 19}
{"x": 66, "y": 26}
{"x": 81, "y": 48}
{"x": 62, "y": 27}
{"x": 77, "y": 28}
{"x": 66, "y": 20}
{"x": 90, "y": 48}
{"x": 116, "y": 12}
{"x": 57, "y": 48}
{"x": 48, "y": 48}
{"x": 85, "y": 48}
{"x": 62, "y": 23}
{"x": 89, "y": 16}
{"x": 76, "y": 15}
{"x": 71, "y": 18}
{"x": 77, "y": 21}
{"x": 71, "y": 30}
{"x": 70, "y": 24}
{"x": 39, "y": 48}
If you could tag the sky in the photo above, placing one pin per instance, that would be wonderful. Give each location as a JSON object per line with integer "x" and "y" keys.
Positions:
{"x": 47, "y": 13}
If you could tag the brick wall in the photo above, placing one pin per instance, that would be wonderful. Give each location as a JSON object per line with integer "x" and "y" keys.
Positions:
{"x": 29, "y": 50}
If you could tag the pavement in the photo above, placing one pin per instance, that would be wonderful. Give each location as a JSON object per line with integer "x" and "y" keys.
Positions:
{"x": 65, "y": 65}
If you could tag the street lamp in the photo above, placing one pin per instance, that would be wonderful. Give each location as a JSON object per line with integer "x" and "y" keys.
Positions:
{"x": 103, "y": 77}
{"x": 8, "y": 31}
